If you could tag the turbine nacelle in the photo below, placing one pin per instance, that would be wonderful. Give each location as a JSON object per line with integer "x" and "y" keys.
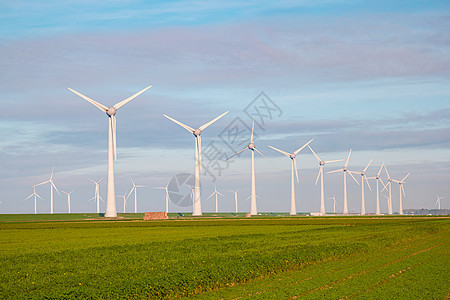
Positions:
{"x": 197, "y": 132}
{"x": 251, "y": 146}
{"x": 292, "y": 155}
{"x": 321, "y": 163}
{"x": 111, "y": 111}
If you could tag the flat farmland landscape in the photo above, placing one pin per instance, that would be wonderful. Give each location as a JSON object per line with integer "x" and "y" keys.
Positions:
{"x": 80, "y": 256}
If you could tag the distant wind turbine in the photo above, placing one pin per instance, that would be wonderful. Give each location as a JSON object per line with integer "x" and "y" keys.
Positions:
{"x": 334, "y": 203}
{"x": 68, "y": 198}
{"x": 344, "y": 170}
{"x": 97, "y": 193}
{"x": 197, "y": 206}
{"x": 125, "y": 198}
{"x": 217, "y": 194}
{"x": 378, "y": 179}
{"x": 52, "y": 186}
{"x": 252, "y": 147}
{"x": 134, "y": 188}
{"x": 235, "y": 199}
{"x": 111, "y": 210}
{"x": 165, "y": 188}
{"x": 438, "y": 202}
{"x": 389, "y": 181}
{"x": 292, "y": 156}
{"x": 320, "y": 174}
{"x": 402, "y": 191}
{"x": 363, "y": 177}
{"x": 35, "y": 198}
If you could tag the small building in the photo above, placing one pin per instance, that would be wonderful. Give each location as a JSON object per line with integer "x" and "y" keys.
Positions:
{"x": 155, "y": 216}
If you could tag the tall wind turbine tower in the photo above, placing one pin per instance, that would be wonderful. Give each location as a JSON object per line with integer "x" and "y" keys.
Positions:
{"x": 402, "y": 191}
{"x": 363, "y": 177}
{"x": 68, "y": 198}
{"x": 235, "y": 200}
{"x": 252, "y": 147}
{"x": 320, "y": 174}
{"x": 111, "y": 210}
{"x": 37, "y": 196}
{"x": 344, "y": 170}
{"x": 52, "y": 186}
{"x": 134, "y": 188}
{"x": 378, "y": 178}
{"x": 215, "y": 193}
{"x": 292, "y": 156}
{"x": 197, "y": 206}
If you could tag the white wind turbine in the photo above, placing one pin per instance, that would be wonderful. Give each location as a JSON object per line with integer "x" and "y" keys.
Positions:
{"x": 235, "y": 199}
{"x": 111, "y": 210}
{"x": 438, "y": 202}
{"x": 197, "y": 206}
{"x": 320, "y": 174}
{"x": 252, "y": 147}
{"x": 134, "y": 188}
{"x": 52, "y": 186}
{"x": 125, "y": 198}
{"x": 334, "y": 203}
{"x": 35, "y": 198}
{"x": 402, "y": 191}
{"x": 378, "y": 178}
{"x": 363, "y": 177}
{"x": 166, "y": 188}
{"x": 217, "y": 194}
{"x": 344, "y": 170}
{"x": 292, "y": 156}
{"x": 97, "y": 193}
{"x": 68, "y": 198}
{"x": 389, "y": 181}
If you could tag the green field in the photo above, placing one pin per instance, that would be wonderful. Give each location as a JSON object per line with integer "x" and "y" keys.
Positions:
{"x": 83, "y": 256}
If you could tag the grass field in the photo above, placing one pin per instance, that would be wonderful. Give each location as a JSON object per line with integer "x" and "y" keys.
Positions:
{"x": 81, "y": 256}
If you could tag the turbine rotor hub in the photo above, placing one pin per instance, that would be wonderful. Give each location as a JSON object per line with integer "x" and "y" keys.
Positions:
{"x": 111, "y": 111}
{"x": 321, "y": 163}
{"x": 292, "y": 156}
{"x": 251, "y": 146}
{"x": 197, "y": 132}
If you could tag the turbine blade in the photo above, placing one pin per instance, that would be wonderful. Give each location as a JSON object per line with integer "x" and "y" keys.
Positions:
{"x": 295, "y": 167}
{"x": 29, "y": 197}
{"x": 318, "y": 159}
{"x": 190, "y": 129}
{"x": 329, "y": 172}
{"x": 403, "y": 190}
{"x": 348, "y": 158}
{"x": 332, "y": 161}
{"x": 253, "y": 128}
{"x": 122, "y": 103}
{"x": 368, "y": 165}
{"x": 353, "y": 177}
{"x": 54, "y": 186}
{"x": 237, "y": 153}
{"x": 259, "y": 152}
{"x": 211, "y": 195}
{"x": 301, "y": 148}
{"x": 131, "y": 191}
{"x": 204, "y": 126}
{"x": 405, "y": 177}
{"x": 387, "y": 173}
{"x": 318, "y": 174}
{"x": 43, "y": 183}
{"x": 367, "y": 181}
{"x": 98, "y": 105}
{"x": 379, "y": 171}
{"x": 382, "y": 183}
{"x": 281, "y": 151}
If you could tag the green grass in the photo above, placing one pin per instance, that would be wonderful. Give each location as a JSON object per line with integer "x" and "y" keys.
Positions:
{"x": 229, "y": 257}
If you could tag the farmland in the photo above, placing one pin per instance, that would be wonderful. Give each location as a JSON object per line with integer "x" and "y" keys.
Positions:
{"x": 270, "y": 257}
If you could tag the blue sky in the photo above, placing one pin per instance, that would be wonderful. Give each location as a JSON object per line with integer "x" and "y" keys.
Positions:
{"x": 371, "y": 76}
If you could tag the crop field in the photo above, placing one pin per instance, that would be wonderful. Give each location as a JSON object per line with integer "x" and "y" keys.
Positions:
{"x": 84, "y": 257}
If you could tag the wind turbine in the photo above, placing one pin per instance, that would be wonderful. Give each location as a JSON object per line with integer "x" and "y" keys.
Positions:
{"x": 166, "y": 188}
{"x": 68, "y": 198}
{"x": 215, "y": 193}
{"x": 378, "y": 178}
{"x": 35, "y": 198}
{"x": 292, "y": 156}
{"x": 390, "y": 191}
{"x": 125, "y": 198}
{"x": 235, "y": 199}
{"x": 402, "y": 190}
{"x": 438, "y": 201}
{"x": 197, "y": 206}
{"x": 111, "y": 210}
{"x": 363, "y": 177}
{"x": 52, "y": 186}
{"x": 134, "y": 188}
{"x": 334, "y": 203}
{"x": 344, "y": 169}
{"x": 251, "y": 146}
{"x": 97, "y": 193}
{"x": 320, "y": 174}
